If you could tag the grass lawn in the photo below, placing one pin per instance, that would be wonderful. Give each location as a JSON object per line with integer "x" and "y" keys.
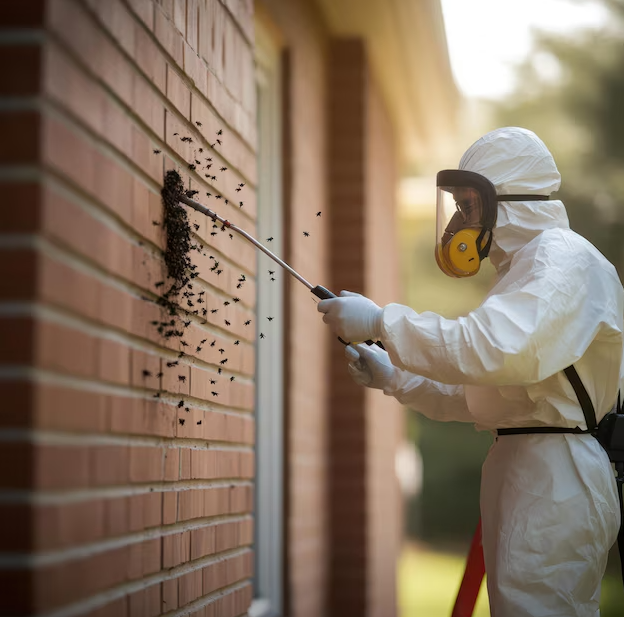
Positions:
{"x": 428, "y": 583}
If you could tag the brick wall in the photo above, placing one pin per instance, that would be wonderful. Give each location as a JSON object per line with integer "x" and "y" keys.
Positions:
{"x": 384, "y": 415}
{"x": 116, "y": 507}
{"x": 365, "y": 426}
{"x": 348, "y": 444}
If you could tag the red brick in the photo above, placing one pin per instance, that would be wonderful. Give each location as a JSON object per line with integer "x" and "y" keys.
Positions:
{"x": 240, "y": 499}
{"x": 171, "y": 381}
{"x": 23, "y": 15}
{"x": 18, "y": 337}
{"x": 147, "y": 207}
{"x": 243, "y": 13}
{"x": 17, "y": 404}
{"x": 77, "y": 29}
{"x": 148, "y": 106}
{"x": 116, "y": 308}
{"x": 142, "y": 361}
{"x": 16, "y": 537}
{"x": 168, "y": 36}
{"x": 69, "y": 351}
{"x": 61, "y": 467}
{"x": 21, "y": 131}
{"x": 195, "y": 69}
{"x": 200, "y": 383}
{"x": 178, "y": 93}
{"x": 113, "y": 186}
{"x": 144, "y": 9}
{"x": 149, "y": 58}
{"x": 242, "y": 599}
{"x": 70, "y": 225}
{"x": 179, "y": 15}
{"x": 206, "y": 20}
{"x": 63, "y": 286}
{"x": 176, "y": 549}
{"x": 185, "y": 464}
{"x": 117, "y": 127}
{"x": 233, "y": 150}
{"x": 190, "y": 429}
{"x": 126, "y": 414}
{"x": 109, "y": 465}
{"x": 116, "y": 516}
{"x": 170, "y": 507}
{"x": 72, "y": 88}
{"x": 115, "y": 70}
{"x": 22, "y": 70}
{"x": 190, "y": 504}
{"x": 18, "y": 270}
{"x": 216, "y": 502}
{"x": 113, "y": 362}
{"x": 143, "y": 558}
{"x": 70, "y": 524}
{"x": 21, "y": 600}
{"x": 68, "y": 153}
{"x": 169, "y": 595}
{"x": 172, "y": 464}
{"x": 189, "y": 587}
{"x": 24, "y": 216}
{"x": 192, "y": 23}
{"x": 203, "y": 542}
{"x": 145, "y": 602}
{"x": 214, "y": 577}
{"x": 118, "y": 21}
{"x": 145, "y": 511}
{"x": 218, "y": 31}
{"x": 167, "y": 8}
{"x": 146, "y": 464}
{"x": 116, "y": 608}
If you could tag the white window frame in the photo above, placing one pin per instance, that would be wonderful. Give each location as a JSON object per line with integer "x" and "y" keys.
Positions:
{"x": 269, "y": 489}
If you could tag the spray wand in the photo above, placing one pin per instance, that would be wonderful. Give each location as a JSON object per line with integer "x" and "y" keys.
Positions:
{"x": 318, "y": 290}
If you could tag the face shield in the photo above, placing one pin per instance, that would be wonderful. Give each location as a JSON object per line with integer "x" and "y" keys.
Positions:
{"x": 465, "y": 216}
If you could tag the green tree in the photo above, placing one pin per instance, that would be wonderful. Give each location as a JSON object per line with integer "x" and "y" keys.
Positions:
{"x": 580, "y": 116}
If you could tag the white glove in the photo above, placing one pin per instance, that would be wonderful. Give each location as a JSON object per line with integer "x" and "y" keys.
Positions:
{"x": 352, "y": 316}
{"x": 371, "y": 366}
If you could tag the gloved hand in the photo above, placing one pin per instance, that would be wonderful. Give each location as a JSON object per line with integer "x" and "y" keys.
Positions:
{"x": 371, "y": 366}
{"x": 352, "y": 316}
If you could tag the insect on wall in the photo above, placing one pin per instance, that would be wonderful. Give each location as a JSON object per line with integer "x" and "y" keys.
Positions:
{"x": 184, "y": 303}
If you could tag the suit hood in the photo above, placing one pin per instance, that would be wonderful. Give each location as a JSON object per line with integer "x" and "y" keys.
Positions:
{"x": 517, "y": 162}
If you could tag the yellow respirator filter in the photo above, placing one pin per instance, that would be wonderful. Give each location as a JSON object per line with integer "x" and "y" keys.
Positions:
{"x": 459, "y": 257}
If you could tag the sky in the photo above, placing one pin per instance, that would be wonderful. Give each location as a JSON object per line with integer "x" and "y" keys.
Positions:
{"x": 486, "y": 38}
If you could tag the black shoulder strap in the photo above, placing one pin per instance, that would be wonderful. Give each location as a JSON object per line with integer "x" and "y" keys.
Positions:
{"x": 586, "y": 405}
{"x": 590, "y": 419}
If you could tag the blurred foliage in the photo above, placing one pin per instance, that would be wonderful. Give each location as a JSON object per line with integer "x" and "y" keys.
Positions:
{"x": 571, "y": 93}
{"x": 428, "y": 581}
{"x": 452, "y": 452}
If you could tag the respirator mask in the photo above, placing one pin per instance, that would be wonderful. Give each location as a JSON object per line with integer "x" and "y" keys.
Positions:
{"x": 466, "y": 208}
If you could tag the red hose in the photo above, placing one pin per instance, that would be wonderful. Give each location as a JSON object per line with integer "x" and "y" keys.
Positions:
{"x": 473, "y": 576}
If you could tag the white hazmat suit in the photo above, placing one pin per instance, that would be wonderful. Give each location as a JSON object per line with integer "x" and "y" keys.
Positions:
{"x": 549, "y": 502}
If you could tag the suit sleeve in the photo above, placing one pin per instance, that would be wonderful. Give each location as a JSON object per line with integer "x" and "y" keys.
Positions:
{"x": 540, "y": 318}
{"x": 434, "y": 400}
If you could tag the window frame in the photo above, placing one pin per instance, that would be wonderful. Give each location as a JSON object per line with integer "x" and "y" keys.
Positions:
{"x": 269, "y": 487}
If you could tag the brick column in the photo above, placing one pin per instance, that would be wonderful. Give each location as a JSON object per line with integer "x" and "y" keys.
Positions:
{"x": 347, "y": 443}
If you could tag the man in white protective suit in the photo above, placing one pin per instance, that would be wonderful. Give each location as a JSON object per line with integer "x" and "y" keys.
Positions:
{"x": 549, "y": 501}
